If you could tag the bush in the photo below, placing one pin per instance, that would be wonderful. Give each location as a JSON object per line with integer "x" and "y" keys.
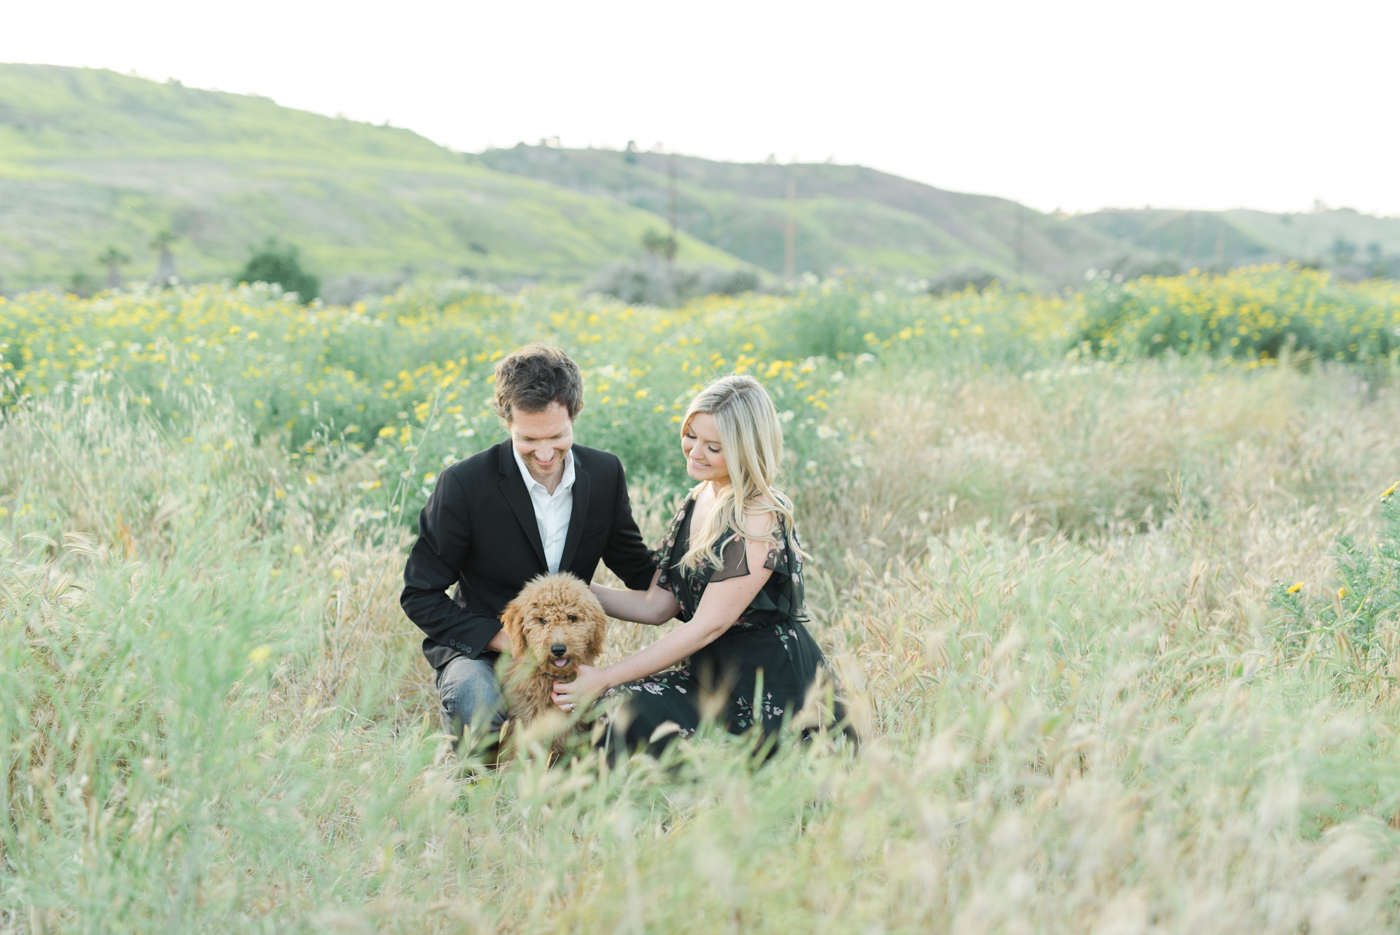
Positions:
{"x": 652, "y": 284}
{"x": 1257, "y": 312}
{"x": 276, "y": 263}
{"x": 964, "y": 277}
{"x": 83, "y": 284}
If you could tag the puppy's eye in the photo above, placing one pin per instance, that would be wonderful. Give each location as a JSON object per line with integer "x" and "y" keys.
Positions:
{"x": 539, "y": 621}
{"x": 573, "y": 618}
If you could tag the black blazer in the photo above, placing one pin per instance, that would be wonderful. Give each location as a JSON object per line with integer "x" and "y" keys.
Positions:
{"x": 479, "y": 532}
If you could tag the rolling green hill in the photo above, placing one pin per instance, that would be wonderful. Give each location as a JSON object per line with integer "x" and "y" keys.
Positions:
{"x": 1342, "y": 239}
{"x": 853, "y": 216}
{"x": 846, "y": 216}
{"x": 90, "y": 158}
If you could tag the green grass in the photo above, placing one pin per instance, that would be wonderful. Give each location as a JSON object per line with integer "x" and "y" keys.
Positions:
{"x": 1050, "y": 588}
{"x": 407, "y": 377}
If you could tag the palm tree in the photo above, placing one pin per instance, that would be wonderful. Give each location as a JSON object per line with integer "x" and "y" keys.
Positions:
{"x": 165, "y": 269}
{"x": 114, "y": 260}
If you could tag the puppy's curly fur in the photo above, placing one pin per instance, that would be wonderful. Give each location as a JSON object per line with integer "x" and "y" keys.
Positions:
{"x": 554, "y": 625}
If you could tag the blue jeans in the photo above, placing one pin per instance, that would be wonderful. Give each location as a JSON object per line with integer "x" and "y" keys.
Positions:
{"x": 471, "y": 696}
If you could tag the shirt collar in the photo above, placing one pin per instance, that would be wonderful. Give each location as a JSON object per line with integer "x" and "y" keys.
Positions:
{"x": 565, "y": 483}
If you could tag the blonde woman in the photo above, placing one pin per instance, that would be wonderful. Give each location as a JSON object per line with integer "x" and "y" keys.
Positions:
{"x": 731, "y": 569}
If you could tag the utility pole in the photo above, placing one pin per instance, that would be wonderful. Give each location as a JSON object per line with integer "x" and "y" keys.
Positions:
{"x": 671, "y": 207}
{"x": 790, "y": 233}
{"x": 1020, "y": 240}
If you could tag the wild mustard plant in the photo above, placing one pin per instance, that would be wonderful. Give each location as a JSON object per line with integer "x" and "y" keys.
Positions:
{"x": 1046, "y": 586}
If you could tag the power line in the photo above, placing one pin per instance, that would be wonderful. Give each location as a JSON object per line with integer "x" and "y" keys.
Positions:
{"x": 671, "y": 205}
{"x": 790, "y": 233}
{"x": 1020, "y": 240}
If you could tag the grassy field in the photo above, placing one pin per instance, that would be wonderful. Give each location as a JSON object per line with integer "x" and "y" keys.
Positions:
{"x": 1118, "y": 623}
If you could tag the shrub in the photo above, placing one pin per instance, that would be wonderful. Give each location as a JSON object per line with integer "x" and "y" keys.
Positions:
{"x": 650, "y": 283}
{"x": 281, "y": 264}
{"x": 976, "y": 278}
{"x": 1254, "y": 313}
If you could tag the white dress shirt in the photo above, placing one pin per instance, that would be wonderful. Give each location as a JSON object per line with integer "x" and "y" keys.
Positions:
{"x": 552, "y": 511}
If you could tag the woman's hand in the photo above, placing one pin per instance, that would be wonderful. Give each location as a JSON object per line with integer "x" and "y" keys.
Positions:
{"x": 582, "y": 691}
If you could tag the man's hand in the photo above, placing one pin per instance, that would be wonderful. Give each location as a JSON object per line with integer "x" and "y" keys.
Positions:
{"x": 590, "y": 682}
{"x": 499, "y": 643}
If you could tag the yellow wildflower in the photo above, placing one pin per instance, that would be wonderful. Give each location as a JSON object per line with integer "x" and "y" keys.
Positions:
{"x": 1295, "y": 587}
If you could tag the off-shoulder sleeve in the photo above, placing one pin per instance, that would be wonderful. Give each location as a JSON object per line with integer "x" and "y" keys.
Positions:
{"x": 736, "y": 561}
{"x": 782, "y": 558}
{"x": 782, "y": 555}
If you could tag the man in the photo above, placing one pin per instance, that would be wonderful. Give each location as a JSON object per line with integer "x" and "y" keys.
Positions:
{"x": 535, "y": 503}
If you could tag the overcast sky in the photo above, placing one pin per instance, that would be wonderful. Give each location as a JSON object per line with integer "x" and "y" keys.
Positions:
{"x": 1075, "y": 105}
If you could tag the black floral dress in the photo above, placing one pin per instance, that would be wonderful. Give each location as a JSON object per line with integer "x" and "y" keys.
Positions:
{"x": 768, "y": 650}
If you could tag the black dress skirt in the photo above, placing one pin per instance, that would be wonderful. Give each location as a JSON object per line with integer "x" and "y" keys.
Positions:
{"x": 757, "y": 673}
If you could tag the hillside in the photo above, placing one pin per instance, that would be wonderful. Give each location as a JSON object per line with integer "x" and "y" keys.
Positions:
{"x": 846, "y": 216}
{"x": 1344, "y": 240}
{"x": 90, "y": 158}
{"x": 856, "y": 217}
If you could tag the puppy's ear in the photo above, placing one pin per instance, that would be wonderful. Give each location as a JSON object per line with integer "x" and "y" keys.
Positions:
{"x": 513, "y": 622}
{"x": 598, "y": 627}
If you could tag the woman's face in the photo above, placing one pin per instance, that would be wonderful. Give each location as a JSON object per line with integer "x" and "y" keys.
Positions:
{"x": 704, "y": 456}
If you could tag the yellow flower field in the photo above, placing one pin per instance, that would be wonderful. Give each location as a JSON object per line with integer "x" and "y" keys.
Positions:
{"x": 409, "y": 374}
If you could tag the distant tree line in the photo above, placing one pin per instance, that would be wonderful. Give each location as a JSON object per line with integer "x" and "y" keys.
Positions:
{"x": 270, "y": 262}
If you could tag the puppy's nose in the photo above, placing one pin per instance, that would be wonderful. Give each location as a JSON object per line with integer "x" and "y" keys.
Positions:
{"x": 559, "y": 649}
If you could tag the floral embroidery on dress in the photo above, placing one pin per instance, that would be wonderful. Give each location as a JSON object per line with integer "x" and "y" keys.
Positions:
{"x": 669, "y": 680}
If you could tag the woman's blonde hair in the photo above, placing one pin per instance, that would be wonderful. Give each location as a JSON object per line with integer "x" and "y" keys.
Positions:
{"x": 752, "y": 437}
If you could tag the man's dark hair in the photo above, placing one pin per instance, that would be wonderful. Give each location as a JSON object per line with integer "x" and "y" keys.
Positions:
{"x": 535, "y": 376}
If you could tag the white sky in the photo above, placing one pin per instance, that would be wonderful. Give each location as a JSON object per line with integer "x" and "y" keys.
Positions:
{"x": 1078, "y": 104}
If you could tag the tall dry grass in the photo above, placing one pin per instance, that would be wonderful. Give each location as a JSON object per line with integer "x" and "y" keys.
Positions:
{"x": 1047, "y": 599}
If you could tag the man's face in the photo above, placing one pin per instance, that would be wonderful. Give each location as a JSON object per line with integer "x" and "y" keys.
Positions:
{"x": 542, "y": 438}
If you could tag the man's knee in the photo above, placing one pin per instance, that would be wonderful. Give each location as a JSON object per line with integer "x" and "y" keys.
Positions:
{"x": 470, "y": 695}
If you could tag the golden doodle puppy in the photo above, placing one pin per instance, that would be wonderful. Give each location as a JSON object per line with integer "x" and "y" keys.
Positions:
{"x": 554, "y": 625}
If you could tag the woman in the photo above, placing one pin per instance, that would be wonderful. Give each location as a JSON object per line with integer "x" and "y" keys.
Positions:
{"x": 731, "y": 570}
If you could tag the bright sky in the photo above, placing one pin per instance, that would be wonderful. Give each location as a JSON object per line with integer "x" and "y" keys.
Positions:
{"x": 1075, "y": 104}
